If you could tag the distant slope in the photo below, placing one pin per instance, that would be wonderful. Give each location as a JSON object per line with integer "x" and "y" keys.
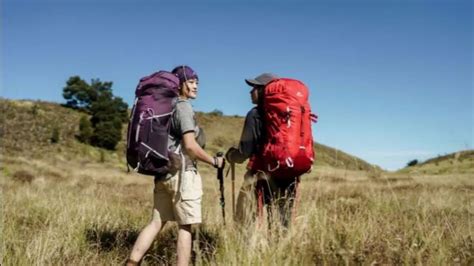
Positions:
{"x": 458, "y": 162}
{"x": 27, "y": 128}
{"x": 326, "y": 155}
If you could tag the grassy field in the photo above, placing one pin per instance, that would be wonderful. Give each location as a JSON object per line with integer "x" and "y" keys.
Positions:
{"x": 58, "y": 211}
{"x": 71, "y": 204}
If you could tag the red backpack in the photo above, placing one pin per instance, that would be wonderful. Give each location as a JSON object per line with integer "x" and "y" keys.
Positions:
{"x": 288, "y": 150}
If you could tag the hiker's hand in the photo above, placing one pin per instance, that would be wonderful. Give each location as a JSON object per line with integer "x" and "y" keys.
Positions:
{"x": 219, "y": 162}
{"x": 228, "y": 154}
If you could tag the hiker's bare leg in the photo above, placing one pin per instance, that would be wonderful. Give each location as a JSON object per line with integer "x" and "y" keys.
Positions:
{"x": 145, "y": 239}
{"x": 184, "y": 245}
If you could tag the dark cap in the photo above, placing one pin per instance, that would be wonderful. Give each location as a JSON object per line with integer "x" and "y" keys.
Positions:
{"x": 261, "y": 80}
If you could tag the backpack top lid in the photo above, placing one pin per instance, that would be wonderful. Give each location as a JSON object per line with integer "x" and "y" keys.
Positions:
{"x": 161, "y": 79}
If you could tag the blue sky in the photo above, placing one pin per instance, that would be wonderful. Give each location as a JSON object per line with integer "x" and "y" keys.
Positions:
{"x": 390, "y": 80}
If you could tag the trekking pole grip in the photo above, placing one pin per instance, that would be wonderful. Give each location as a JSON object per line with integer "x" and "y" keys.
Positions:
{"x": 219, "y": 155}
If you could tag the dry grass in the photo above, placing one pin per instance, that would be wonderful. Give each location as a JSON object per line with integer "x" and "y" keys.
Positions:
{"x": 83, "y": 214}
{"x": 70, "y": 204}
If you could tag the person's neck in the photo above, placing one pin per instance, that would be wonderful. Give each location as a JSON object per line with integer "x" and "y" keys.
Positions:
{"x": 183, "y": 97}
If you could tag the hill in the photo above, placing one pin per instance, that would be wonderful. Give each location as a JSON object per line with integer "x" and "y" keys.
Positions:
{"x": 27, "y": 129}
{"x": 460, "y": 162}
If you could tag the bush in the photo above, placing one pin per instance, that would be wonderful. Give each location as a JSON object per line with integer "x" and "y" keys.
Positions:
{"x": 412, "y": 163}
{"x": 85, "y": 130}
{"x": 34, "y": 110}
{"x": 55, "y": 135}
{"x": 216, "y": 112}
{"x": 106, "y": 135}
{"x": 102, "y": 156}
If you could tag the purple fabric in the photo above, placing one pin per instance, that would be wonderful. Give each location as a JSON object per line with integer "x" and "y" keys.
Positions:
{"x": 184, "y": 73}
{"x": 156, "y": 80}
{"x": 149, "y": 126}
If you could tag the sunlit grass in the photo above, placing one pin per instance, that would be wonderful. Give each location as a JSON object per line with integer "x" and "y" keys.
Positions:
{"x": 71, "y": 214}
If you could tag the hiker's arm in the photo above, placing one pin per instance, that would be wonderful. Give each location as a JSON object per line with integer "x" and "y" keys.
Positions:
{"x": 193, "y": 149}
{"x": 249, "y": 140}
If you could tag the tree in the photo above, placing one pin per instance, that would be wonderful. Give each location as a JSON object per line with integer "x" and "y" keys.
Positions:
{"x": 108, "y": 112}
{"x": 78, "y": 94}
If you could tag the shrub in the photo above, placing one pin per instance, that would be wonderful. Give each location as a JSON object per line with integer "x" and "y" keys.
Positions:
{"x": 106, "y": 135}
{"x": 55, "y": 135}
{"x": 34, "y": 110}
{"x": 216, "y": 112}
{"x": 85, "y": 130}
{"x": 412, "y": 163}
{"x": 102, "y": 156}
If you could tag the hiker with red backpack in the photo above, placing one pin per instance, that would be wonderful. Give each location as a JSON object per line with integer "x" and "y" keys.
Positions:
{"x": 163, "y": 141}
{"x": 277, "y": 138}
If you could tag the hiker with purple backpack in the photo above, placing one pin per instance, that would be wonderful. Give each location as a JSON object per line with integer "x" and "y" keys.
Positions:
{"x": 178, "y": 185}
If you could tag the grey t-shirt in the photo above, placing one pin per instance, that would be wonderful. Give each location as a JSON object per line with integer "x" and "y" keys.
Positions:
{"x": 251, "y": 139}
{"x": 182, "y": 122}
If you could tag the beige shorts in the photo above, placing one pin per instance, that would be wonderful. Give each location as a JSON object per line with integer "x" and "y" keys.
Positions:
{"x": 178, "y": 199}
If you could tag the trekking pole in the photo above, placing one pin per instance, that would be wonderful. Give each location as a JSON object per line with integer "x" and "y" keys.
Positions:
{"x": 232, "y": 169}
{"x": 220, "y": 177}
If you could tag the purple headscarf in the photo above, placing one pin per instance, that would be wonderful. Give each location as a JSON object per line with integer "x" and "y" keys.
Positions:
{"x": 184, "y": 73}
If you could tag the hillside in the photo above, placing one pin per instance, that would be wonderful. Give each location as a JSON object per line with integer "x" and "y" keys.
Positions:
{"x": 27, "y": 128}
{"x": 458, "y": 162}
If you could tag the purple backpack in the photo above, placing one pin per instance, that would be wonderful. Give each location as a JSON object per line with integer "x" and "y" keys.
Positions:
{"x": 149, "y": 126}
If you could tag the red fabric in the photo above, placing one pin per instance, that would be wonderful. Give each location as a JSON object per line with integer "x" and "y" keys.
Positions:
{"x": 288, "y": 151}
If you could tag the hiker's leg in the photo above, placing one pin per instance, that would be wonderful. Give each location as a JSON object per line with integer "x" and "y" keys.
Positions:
{"x": 188, "y": 211}
{"x": 246, "y": 201}
{"x": 272, "y": 196}
{"x": 145, "y": 239}
{"x": 264, "y": 197}
{"x": 287, "y": 203}
{"x": 184, "y": 245}
{"x": 162, "y": 212}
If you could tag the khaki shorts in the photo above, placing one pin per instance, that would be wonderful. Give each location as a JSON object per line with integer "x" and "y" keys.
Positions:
{"x": 178, "y": 199}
